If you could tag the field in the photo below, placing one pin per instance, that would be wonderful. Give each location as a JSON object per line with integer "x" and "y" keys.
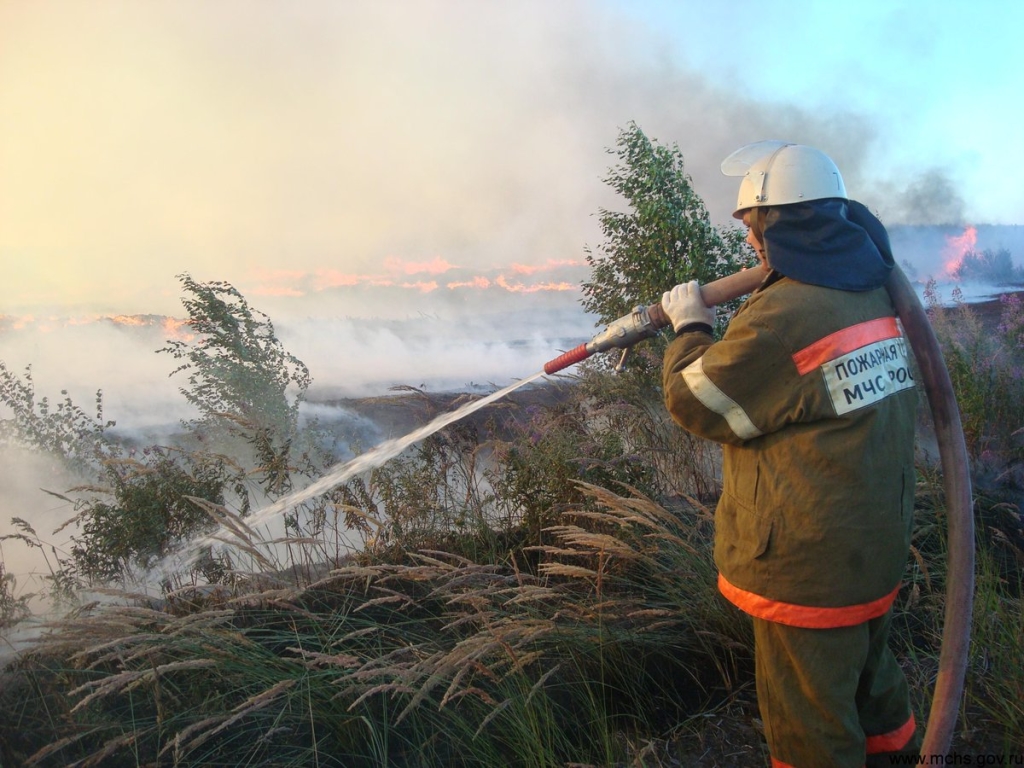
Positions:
{"x": 532, "y": 586}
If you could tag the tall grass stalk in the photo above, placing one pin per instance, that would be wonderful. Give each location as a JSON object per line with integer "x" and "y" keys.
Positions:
{"x": 370, "y": 664}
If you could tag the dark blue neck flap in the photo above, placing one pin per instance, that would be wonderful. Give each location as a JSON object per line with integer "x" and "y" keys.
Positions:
{"x": 834, "y": 243}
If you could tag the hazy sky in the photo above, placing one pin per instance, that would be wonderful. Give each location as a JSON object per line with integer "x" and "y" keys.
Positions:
{"x": 447, "y": 145}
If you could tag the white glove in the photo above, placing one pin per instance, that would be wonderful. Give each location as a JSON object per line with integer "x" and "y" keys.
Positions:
{"x": 684, "y": 305}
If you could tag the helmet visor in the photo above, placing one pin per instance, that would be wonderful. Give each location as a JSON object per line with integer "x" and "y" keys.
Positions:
{"x": 740, "y": 161}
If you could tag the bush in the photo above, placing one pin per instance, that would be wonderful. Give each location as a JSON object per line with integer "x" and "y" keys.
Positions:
{"x": 65, "y": 432}
{"x": 986, "y": 366}
{"x": 13, "y": 608}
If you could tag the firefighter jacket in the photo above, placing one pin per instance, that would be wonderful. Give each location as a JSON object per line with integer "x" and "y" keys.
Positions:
{"x": 811, "y": 393}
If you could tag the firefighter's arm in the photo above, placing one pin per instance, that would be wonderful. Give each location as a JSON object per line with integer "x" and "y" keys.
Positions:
{"x": 732, "y": 390}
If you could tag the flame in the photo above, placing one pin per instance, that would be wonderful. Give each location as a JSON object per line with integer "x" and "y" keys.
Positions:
{"x": 297, "y": 284}
{"x": 19, "y": 323}
{"x": 173, "y": 327}
{"x": 479, "y": 281}
{"x": 520, "y": 288}
{"x": 957, "y": 247}
{"x": 423, "y": 286}
{"x": 132, "y": 320}
{"x": 178, "y": 329}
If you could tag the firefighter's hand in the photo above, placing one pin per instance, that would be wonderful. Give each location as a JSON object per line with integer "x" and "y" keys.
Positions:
{"x": 684, "y": 306}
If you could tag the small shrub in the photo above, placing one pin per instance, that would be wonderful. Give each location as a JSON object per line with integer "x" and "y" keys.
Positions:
{"x": 148, "y": 513}
{"x": 986, "y": 366}
{"x": 13, "y": 607}
{"x": 65, "y": 432}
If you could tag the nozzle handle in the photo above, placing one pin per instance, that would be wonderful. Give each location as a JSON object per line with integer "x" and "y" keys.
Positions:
{"x": 733, "y": 286}
{"x": 718, "y": 292}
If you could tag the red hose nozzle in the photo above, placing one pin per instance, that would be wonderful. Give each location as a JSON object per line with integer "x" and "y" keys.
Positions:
{"x": 573, "y": 356}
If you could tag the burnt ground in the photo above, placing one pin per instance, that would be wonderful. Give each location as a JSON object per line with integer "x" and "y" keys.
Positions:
{"x": 366, "y": 421}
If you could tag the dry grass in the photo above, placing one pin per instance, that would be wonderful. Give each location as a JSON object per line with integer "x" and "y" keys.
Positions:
{"x": 437, "y": 641}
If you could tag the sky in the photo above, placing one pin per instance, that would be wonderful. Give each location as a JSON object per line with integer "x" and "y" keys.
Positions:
{"x": 291, "y": 148}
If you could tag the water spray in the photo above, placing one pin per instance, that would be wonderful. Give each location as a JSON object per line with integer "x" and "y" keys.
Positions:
{"x": 641, "y": 323}
{"x": 645, "y": 322}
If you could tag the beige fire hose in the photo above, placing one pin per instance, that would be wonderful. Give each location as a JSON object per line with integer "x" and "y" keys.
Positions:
{"x": 956, "y": 630}
{"x": 644, "y": 322}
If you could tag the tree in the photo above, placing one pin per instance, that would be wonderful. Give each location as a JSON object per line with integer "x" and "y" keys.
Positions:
{"x": 989, "y": 266}
{"x": 664, "y": 239}
{"x": 240, "y": 376}
{"x": 141, "y": 505}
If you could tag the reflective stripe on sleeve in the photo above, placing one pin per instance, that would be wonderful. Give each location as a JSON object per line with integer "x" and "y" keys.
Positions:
{"x": 705, "y": 390}
{"x": 806, "y": 616}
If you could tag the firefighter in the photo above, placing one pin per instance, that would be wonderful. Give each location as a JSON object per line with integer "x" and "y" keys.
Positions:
{"x": 811, "y": 394}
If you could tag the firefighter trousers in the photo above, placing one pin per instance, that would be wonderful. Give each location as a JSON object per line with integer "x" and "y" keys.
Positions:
{"x": 832, "y": 698}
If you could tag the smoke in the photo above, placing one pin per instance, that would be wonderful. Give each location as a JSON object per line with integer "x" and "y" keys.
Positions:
{"x": 84, "y": 356}
{"x": 25, "y": 477}
{"x": 444, "y": 350}
{"x": 171, "y": 137}
{"x": 929, "y": 199}
{"x": 369, "y": 174}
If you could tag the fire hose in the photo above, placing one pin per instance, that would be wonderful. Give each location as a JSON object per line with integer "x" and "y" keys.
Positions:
{"x": 645, "y": 322}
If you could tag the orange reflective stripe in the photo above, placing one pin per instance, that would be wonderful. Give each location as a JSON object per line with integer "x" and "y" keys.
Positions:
{"x": 893, "y": 740}
{"x": 807, "y": 616}
{"x": 842, "y": 342}
{"x": 780, "y": 764}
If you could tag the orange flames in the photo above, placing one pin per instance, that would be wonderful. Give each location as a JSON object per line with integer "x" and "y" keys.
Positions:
{"x": 171, "y": 327}
{"x": 479, "y": 282}
{"x": 520, "y": 288}
{"x": 529, "y": 269}
{"x": 134, "y": 320}
{"x": 396, "y": 273}
{"x": 291, "y": 283}
{"x": 957, "y": 247}
{"x": 178, "y": 329}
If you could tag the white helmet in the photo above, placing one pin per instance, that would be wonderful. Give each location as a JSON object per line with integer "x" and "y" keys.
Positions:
{"x": 779, "y": 173}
